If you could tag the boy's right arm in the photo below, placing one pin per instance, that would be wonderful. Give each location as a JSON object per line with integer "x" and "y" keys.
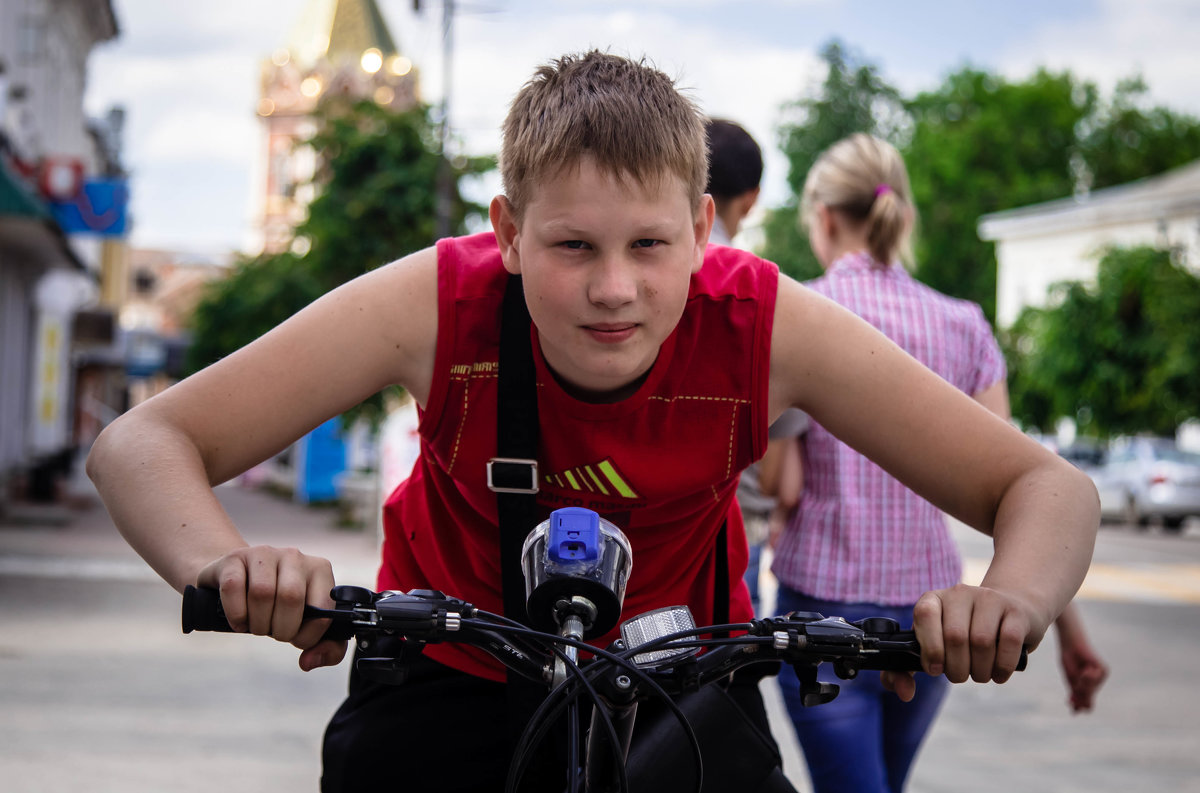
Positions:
{"x": 155, "y": 466}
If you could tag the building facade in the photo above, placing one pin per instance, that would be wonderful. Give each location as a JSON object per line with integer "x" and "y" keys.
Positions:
{"x": 1040, "y": 245}
{"x": 49, "y": 279}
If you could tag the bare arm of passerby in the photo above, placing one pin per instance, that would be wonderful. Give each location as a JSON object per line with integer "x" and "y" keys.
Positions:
{"x": 791, "y": 475}
{"x": 774, "y": 471}
{"x": 156, "y": 465}
{"x": 781, "y": 474}
{"x": 1083, "y": 668}
{"x": 1041, "y": 511}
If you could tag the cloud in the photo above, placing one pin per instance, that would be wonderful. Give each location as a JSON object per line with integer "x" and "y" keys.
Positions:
{"x": 727, "y": 73}
{"x": 1154, "y": 37}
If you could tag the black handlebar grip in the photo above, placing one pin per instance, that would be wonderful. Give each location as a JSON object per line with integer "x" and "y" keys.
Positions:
{"x": 908, "y": 659}
{"x": 202, "y": 611}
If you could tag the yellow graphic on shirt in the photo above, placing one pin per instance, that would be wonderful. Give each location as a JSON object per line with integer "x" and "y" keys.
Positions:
{"x": 601, "y": 477}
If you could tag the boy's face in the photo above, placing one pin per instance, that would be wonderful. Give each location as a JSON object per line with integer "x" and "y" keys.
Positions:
{"x": 606, "y": 266}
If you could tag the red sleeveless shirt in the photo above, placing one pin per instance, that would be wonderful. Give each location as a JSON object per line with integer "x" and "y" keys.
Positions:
{"x": 662, "y": 465}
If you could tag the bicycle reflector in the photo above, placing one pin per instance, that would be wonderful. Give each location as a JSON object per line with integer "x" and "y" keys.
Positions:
{"x": 652, "y": 625}
{"x": 576, "y": 553}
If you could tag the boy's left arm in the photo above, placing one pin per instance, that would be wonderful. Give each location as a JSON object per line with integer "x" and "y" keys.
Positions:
{"x": 1041, "y": 511}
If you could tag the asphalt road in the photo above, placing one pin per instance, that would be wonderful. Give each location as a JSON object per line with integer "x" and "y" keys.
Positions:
{"x": 99, "y": 690}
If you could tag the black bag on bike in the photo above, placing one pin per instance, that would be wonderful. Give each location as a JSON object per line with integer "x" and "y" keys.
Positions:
{"x": 738, "y": 755}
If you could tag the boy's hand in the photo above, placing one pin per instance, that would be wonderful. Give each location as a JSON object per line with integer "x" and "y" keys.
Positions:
{"x": 972, "y": 632}
{"x": 264, "y": 590}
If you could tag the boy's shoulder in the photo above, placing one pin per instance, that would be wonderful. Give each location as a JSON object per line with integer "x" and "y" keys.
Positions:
{"x": 470, "y": 267}
{"x": 733, "y": 272}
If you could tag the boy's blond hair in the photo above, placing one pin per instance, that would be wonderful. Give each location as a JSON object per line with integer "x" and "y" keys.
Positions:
{"x": 628, "y": 116}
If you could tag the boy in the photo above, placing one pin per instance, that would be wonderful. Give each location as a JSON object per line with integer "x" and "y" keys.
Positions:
{"x": 658, "y": 370}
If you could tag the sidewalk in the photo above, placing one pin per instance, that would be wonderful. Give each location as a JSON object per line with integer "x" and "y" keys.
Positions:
{"x": 61, "y": 541}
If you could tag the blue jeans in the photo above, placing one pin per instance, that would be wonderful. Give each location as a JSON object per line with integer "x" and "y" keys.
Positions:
{"x": 866, "y": 739}
{"x": 752, "y": 571}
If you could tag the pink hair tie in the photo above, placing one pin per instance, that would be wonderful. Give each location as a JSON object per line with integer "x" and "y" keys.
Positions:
{"x": 882, "y": 188}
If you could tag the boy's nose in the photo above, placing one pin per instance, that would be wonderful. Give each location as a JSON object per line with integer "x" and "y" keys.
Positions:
{"x": 613, "y": 283}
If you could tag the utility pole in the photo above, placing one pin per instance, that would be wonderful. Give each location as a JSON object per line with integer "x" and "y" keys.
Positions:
{"x": 445, "y": 177}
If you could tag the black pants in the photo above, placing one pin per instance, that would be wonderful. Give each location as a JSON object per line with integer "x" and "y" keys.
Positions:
{"x": 443, "y": 730}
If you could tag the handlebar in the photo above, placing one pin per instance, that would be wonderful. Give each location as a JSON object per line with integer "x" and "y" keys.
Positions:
{"x": 652, "y": 659}
{"x": 429, "y": 616}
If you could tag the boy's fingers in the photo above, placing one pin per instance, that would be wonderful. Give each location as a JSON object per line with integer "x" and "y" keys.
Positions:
{"x": 903, "y": 684}
{"x": 1014, "y": 629}
{"x": 290, "y": 593}
{"x": 326, "y": 653}
{"x": 229, "y": 578}
{"x": 318, "y": 582}
{"x": 956, "y": 633}
{"x": 986, "y": 616}
{"x": 927, "y": 625}
{"x": 262, "y": 571}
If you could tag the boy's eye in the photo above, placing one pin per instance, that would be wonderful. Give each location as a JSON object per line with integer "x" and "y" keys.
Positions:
{"x": 646, "y": 243}
{"x": 575, "y": 245}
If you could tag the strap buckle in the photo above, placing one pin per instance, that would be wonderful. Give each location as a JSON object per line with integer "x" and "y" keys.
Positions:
{"x": 512, "y": 475}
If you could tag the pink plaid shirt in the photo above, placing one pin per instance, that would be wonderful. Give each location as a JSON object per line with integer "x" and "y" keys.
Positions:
{"x": 858, "y": 535}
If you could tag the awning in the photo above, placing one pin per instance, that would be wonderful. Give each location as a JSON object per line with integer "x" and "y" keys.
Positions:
{"x": 17, "y": 199}
{"x": 27, "y": 229}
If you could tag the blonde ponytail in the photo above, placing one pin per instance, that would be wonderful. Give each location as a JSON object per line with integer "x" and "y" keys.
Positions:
{"x": 865, "y": 178}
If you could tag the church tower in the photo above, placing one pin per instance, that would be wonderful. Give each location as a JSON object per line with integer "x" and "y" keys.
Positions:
{"x": 338, "y": 47}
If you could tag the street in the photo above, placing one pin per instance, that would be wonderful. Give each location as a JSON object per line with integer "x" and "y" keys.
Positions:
{"x": 100, "y": 691}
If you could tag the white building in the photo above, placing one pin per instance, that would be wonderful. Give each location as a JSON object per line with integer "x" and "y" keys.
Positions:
{"x": 1039, "y": 245}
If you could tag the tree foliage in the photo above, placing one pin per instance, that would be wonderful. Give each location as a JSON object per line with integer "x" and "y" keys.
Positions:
{"x": 977, "y": 143}
{"x": 1127, "y": 138}
{"x": 981, "y": 144}
{"x": 852, "y": 98}
{"x": 376, "y": 201}
{"x": 1122, "y": 356}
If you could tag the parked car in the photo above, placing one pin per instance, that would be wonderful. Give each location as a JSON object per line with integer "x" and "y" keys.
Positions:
{"x": 1087, "y": 455}
{"x": 1144, "y": 478}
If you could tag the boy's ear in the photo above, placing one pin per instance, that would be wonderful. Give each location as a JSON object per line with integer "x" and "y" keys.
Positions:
{"x": 701, "y": 228}
{"x": 508, "y": 233}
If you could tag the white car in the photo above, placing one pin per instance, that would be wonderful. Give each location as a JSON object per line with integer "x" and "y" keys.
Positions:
{"x": 1144, "y": 478}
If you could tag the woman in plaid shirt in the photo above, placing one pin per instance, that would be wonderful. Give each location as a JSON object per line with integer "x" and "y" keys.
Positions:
{"x": 860, "y": 543}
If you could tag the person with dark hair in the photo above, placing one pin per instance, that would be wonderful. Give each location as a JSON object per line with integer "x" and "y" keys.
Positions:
{"x": 735, "y": 169}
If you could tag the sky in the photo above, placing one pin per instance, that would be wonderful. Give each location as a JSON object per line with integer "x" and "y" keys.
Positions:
{"x": 187, "y": 73}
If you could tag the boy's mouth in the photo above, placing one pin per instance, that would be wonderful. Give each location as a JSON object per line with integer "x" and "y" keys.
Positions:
{"x": 611, "y": 332}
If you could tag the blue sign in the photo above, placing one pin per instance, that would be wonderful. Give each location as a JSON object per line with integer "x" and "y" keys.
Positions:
{"x": 101, "y": 207}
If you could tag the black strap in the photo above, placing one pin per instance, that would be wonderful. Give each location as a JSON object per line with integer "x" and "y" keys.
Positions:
{"x": 721, "y": 578}
{"x": 516, "y": 437}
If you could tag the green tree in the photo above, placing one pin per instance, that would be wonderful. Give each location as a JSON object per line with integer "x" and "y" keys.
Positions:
{"x": 1122, "y": 356}
{"x": 1127, "y": 139}
{"x": 981, "y": 144}
{"x": 852, "y": 98}
{"x": 376, "y": 201}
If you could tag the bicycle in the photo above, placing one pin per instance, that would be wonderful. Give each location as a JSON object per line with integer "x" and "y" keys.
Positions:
{"x": 576, "y": 565}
